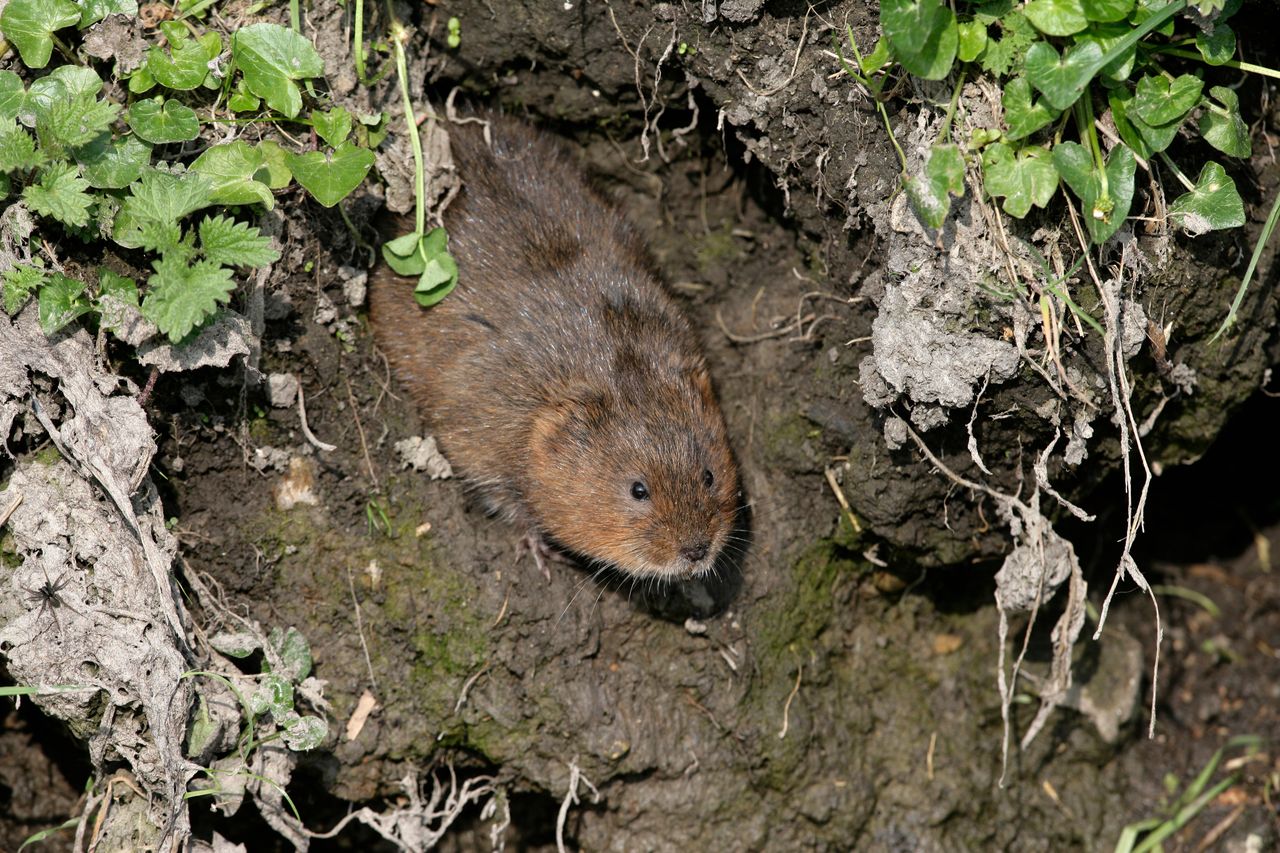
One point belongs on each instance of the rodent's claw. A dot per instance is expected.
(535, 544)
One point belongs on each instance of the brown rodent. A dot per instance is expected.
(560, 378)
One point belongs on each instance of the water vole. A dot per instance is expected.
(560, 378)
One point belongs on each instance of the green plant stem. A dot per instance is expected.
(1230, 63)
(951, 108)
(1263, 239)
(1177, 173)
(1084, 118)
(359, 43)
(874, 90)
(398, 36)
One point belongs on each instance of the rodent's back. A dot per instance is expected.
(559, 368)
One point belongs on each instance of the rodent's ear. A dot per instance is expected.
(701, 380)
(565, 421)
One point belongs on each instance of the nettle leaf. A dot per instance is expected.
(113, 162)
(234, 244)
(1018, 35)
(163, 120)
(973, 40)
(233, 171)
(60, 194)
(1062, 79)
(186, 64)
(1221, 124)
(62, 300)
(20, 281)
(1057, 17)
(1217, 46)
(1020, 114)
(92, 11)
(57, 87)
(159, 199)
(74, 121)
(18, 150)
(1104, 214)
(29, 25)
(1157, 101)
(1107, 11)
(333, 127)
(182, 297)
(12, 95)
(930, 193)
(331, 177)
(272, 57)
(1023, 178)
(923, 35)
(1214, 204)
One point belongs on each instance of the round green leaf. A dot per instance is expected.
(1157, 101)
(1107, 10)
(331, 177)
(1221, 124)
(303, 733)
(237, 172)
(1218, 46)
(271, 57)
(159, 121)
(923, 35)
(1103, 214)
(1020, 114)
(29, 25)
(12, 95)
(1023, 179)
(187, 64)
(1062, 79)
(1057, 17)
(973, 40)
(1213, 204)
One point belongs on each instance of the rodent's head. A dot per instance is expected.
(640, 477)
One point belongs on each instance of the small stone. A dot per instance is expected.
(282, 389)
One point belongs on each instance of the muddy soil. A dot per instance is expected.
(838, 689)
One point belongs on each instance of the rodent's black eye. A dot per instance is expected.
(639, 491)
(707, 478)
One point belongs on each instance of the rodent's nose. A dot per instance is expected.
(695, 552)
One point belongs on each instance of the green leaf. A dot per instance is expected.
(331, 177)
(272, 57)
(275, 161)
(1218, 46)
(1057, 17)
(186, 64)
(234, 244)
(1104, 213)
(1018, 35)
(304, 733)
(973, 40)
(274, 693)
(1023, 178)
(60, 194)
(1107, 11)
(20, 281)
(117, 286)
(159, 200)
(113, 162)
(1062, 79)
(237, 173)
(242, 100)
(12, 95)
(1221, 124)
(92, 11)
(62, 300)
(74, 121)
(1159, 102)
(160, 121)
(930, 193)
(333, 127)
(18, 150)
(1107, 36)
(426, 256)
(141, 81)
(182, 297)
(29, 25)
(403, 254)
(236, 645)
(1213, 205)
(1023, 117)
(294, 652)
(923, 35)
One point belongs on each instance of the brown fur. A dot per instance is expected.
(560, 372)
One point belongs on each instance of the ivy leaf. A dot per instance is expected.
(1057, 17)
(1104, 214)
(923, 35)
(234, 244)
(1063, 78)
(62, 300)
(186, 64)
(113, 162)
(271, 58)
(20, 281)
(1106, 11)
(92, 11)
(1158, 101)
(60, 194)
(331, 177)
(1024, 178)
(163, 120)
(29, 25)
(233, 170)
(1217, 46)
(1022, 116)
(18, 150)
(930, 193)
(1221, 125)
(183, 297)
(12, 95)
(1214, 204)
(333, 127)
